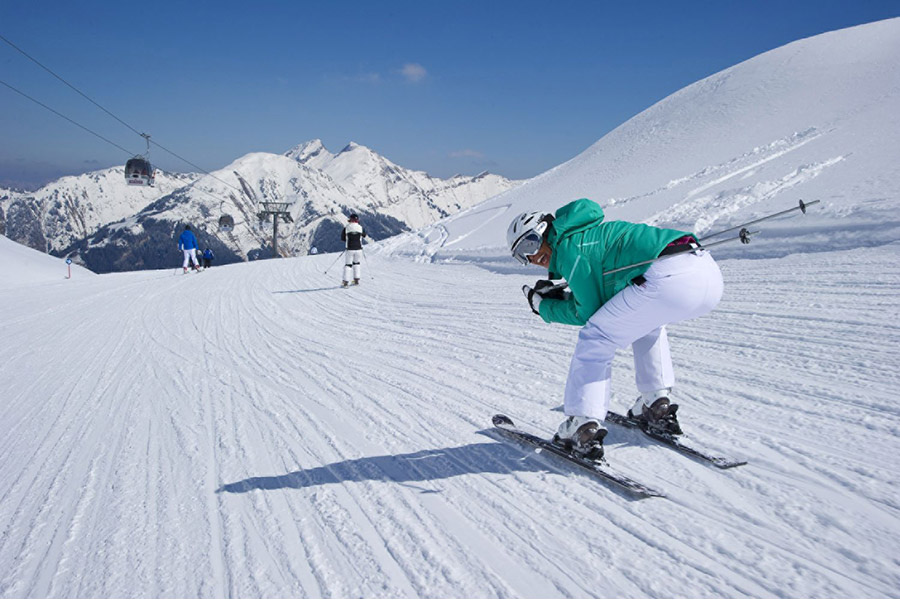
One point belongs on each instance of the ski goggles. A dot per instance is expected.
(527, 246)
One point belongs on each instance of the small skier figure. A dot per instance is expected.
(352, 236)
(187, 243)
(629, 307)
(208, 257)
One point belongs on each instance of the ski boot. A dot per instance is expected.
(344, 283)
(583, 436)
(356, 281)
(659, 417)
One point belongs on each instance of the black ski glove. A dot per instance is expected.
(534, 299)
(550, 289)
(543, 288)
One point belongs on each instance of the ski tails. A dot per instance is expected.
(675, 442)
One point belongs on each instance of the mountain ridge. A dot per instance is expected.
(107, 225)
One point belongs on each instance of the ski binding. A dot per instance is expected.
(599, 468)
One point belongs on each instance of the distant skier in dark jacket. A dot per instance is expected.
(352, 236)
(187, 243)
(208, 257)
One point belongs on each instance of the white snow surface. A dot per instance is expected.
(254, 430)
(23, 266)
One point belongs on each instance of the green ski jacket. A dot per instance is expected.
(585, 246)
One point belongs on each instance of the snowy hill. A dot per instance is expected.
(816, 119)
(254, 430)
(21, 266)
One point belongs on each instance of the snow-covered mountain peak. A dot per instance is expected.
(263, 161)
(312, 153)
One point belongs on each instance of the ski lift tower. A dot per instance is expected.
(278, 210)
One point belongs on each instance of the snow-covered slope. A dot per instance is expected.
(815, 119)
(21, 266)
(257, 431)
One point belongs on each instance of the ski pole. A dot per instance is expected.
(334, 263)
(743, 236)
(366, 260)
(802, 208)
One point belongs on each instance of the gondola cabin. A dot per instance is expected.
(139, 171)
(226, 223)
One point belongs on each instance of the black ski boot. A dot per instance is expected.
(659, 417)
(582, 436)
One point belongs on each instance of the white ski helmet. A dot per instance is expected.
(526, 234)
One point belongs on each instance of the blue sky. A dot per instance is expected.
(446, 87)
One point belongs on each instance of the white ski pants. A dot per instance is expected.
(351, 264)
(190, 254)
(677, 288)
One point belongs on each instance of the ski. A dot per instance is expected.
(675, 442)
(600, 468)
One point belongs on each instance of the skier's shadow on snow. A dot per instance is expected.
(323, 289)
(407, 469)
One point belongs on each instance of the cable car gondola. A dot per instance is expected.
(139, 171)
(226, 223)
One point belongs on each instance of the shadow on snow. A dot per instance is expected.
(322, 289)
(422, 466)
(500, 458)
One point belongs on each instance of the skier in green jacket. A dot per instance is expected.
(631, 306)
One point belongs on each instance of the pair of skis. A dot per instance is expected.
(601, 468)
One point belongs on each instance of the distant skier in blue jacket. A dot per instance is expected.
(208, 257)
(187, 243)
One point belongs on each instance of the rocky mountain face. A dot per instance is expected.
(107, 225)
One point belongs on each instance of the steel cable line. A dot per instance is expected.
(108, 141)
(56, 112)
(37, 62)
(88, 98)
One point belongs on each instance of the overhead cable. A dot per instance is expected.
(56, 112)
(83, 95)
(89, 99)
